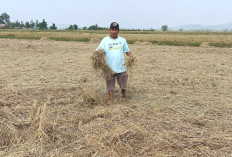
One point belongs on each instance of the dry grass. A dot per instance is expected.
(99, 63)
(52, 104)
(130, 63)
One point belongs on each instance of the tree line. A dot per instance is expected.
(5, 20)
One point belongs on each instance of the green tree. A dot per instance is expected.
(32, 24)
(17, 24)
(1, 20)
(4, 18)
(53, 27)
(27, 24)
(43, 25)
(11, 25)
(22, 24)
(164, 28)
(96, 27)
(93, 27)
(75, 27)
(84, 28)
(36, 24)
(70, 27)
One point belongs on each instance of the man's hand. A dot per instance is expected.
(131, 61)
(129, 54)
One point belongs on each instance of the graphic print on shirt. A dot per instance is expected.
(114, 46)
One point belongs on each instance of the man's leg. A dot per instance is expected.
(110, 83)
(122, 80)
(111, 95)
(123, 93)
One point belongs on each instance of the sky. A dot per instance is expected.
(142, 14)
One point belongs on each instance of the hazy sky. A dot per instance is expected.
(128, 13)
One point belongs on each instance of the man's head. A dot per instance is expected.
(114, 25)
(114, 30)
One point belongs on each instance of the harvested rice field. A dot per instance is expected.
(53, 103)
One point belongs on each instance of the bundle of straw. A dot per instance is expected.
(130, 63)
(99, 63)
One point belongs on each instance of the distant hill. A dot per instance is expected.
(222, 27)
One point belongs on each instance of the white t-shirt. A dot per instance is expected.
(115, 49)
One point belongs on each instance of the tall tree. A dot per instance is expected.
(36, 24)
(70, 27)
(164, 28)
(43, 25)
(93, 27)
(75, 27)
(11, 25)
(4, 18)
(32, 24)
(21, 24)
(1, 20)
(27, 24)
(17, 24)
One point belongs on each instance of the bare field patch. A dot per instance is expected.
(52, 103)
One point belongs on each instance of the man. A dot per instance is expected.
(115, 47)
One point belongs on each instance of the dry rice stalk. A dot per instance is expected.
(8, 131)
(38, 119)
(130, 63)
(43, 124)
(45, 38)
(125, 141)
(99, 63)
(34, 112)
(91, 98)
(42, 121)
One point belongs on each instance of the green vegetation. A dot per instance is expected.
(220, 44)
(96, 27)
(8, 36)
(70, 39)
(4, 18)
(53, 27)
(164, 28)
(175, 43)
(43, 25)
(130, 41)
(19, 37)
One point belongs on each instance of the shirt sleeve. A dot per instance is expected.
(101, 45)
(126, 47)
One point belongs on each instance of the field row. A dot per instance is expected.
(158, 38)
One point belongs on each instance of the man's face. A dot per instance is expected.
(114, 32)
